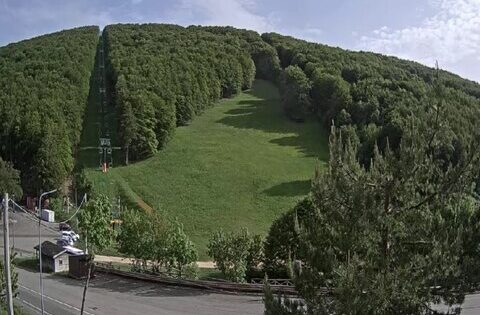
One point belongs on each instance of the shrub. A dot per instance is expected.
(282, 242)
(235, 253)
(157, 243)
(181, 251)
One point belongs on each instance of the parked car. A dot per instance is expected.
(64, 227)
(74, 236)
(65, 241)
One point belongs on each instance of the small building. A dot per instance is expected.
(54, 257)
(79, 265)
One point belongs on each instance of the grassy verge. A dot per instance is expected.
(210, 274)
(203, 273)
(240, 164)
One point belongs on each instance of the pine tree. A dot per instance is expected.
(398, 235)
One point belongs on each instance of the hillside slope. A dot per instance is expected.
(240, 164)
(370, 95)
(161, 76)
(45, 84)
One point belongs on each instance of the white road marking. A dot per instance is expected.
(55, 300)
(32, 306)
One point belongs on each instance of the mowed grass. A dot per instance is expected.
(240, 164)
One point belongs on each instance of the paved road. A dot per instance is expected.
(24, 233)
(110, 294)
(115, 295)
(471, 306)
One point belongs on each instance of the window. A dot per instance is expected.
(60, 262)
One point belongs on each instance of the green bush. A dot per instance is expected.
(235, 253)
(190, 271)
(182, 254)
(157, 243)
(282, 244)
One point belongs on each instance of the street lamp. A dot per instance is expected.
(40, 242)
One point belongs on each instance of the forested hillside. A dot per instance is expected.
(160, 76)
(163, 75)
(394, 216)
(369, 95)
(45, 83)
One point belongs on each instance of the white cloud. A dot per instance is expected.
(451, 36)
(238, 13)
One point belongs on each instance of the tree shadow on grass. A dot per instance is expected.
(308, 145)
(290, 189)
(264, 112)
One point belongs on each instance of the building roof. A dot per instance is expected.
(51, 250)
(73, 251)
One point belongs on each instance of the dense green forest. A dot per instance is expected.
(160, 76)
(45, 84)
(164, 75)
(369, 95)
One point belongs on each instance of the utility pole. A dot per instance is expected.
(40, 245)
(6, 249)
(40, 258)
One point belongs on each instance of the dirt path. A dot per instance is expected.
(127, 260)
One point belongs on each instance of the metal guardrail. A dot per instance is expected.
(219, 286)
(280, 282)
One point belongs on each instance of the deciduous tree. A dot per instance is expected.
(94, 222)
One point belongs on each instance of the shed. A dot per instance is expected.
(79, 266)
(54, 257)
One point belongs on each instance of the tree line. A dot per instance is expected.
(369, 95)
(161, 76)
(396, 236)
(45, 84)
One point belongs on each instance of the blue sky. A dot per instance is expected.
(421, 30)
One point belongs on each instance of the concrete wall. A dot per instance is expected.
(61, 263)
(56, 265)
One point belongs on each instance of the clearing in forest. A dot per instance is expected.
(239, 164)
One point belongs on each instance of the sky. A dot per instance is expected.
(420, 30)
